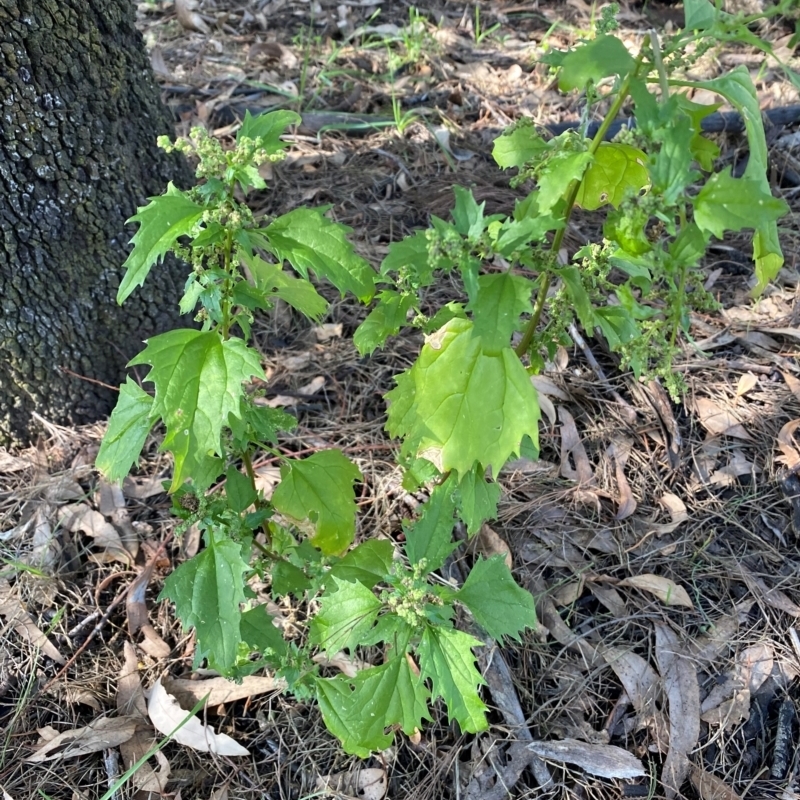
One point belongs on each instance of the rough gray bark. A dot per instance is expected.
(79, 116)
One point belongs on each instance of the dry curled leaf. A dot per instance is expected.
(709, 786)
(98, 735)
(366, 784)
(188, 17)
(489, 543)
(603, 760)
(772, 597)
(718, 421)
(572, 448)
(790, 455)
(679, 676)
(666, 590)
(166, 715)
(130, 695)
(637, 677)
(16, 615)
(747, 382)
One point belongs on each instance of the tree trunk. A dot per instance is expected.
(79, 116)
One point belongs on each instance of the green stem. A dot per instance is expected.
(659, 62)
(572, 194)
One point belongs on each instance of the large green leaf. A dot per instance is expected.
(272, 281)
(593, 61)
(477, 499)
(430, 537)
(368, 563)
(161, 222)
(496, 308)
(268, 128)
(557, 173)
(728, 203)
(410, 256)
(257, 630)
(308, 240)
(446, 658)
(500, 606)
(699, 14)
(381, 697)
(671, 168)
(128, 427)
(198, 382)
(345, 617)
(616, 171)
(320, 489)
(385, 320)
(518, 146)
(459, 405)
(207, 591)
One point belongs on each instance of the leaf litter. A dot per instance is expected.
(572, 673)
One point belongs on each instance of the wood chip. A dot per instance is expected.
(603, 760)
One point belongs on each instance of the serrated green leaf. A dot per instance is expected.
(593, 61)
(728, 203)
(626, 227)
(581, 303)
(737, 87)
(459, 405)
(268, 128)
(288, 579)
(198, 382)
(258, 630)
(518, 146)
(239, 490)
(274, 282)
(381, 697)
(258, 423)
(556, 175)
(500, 606)
(410, 255)
(617, 170)
(515, 233)
(671, 169)
(308, 240)
(468, 214)
(345, 617)
(446, 659)
(128, 426)
(477, 499)
(699, 14)
(689, 245)
(430, 537)
(383, 321)
(161, 222)
(207, 591)
(617, 324)
(320, 489)
(369, 563)
(496, 308)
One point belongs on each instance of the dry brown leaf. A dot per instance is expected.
(610, 598)
(344, 663)
(166, 715)
(9, 463)
(706, 649)
(267, 478)
(568, 593)
(366, 784)
(328, 331)
(130, 695)
(152, 643)
(666, 590)
(571, 446)
(677, 511)
(747, 382)
(545, 385)
(603, 760)
(772, 597)
(221, 690)
(308, 390)
(15, 613)
(679, 677)
(81, 517)
(618, 452)
(637, 677)
(98, 735)
(709, 786)
(562, 633)
(737, 466)
(489, 543)
(141, 488)
(730, 713)
(145, 779)
(188, 17)
(793, 383)
(756, 663)
(786, 444)
(719, 421)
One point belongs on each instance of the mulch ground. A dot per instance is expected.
(660, 539)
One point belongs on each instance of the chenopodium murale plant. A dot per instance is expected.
(467, 405)
(299, 542)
